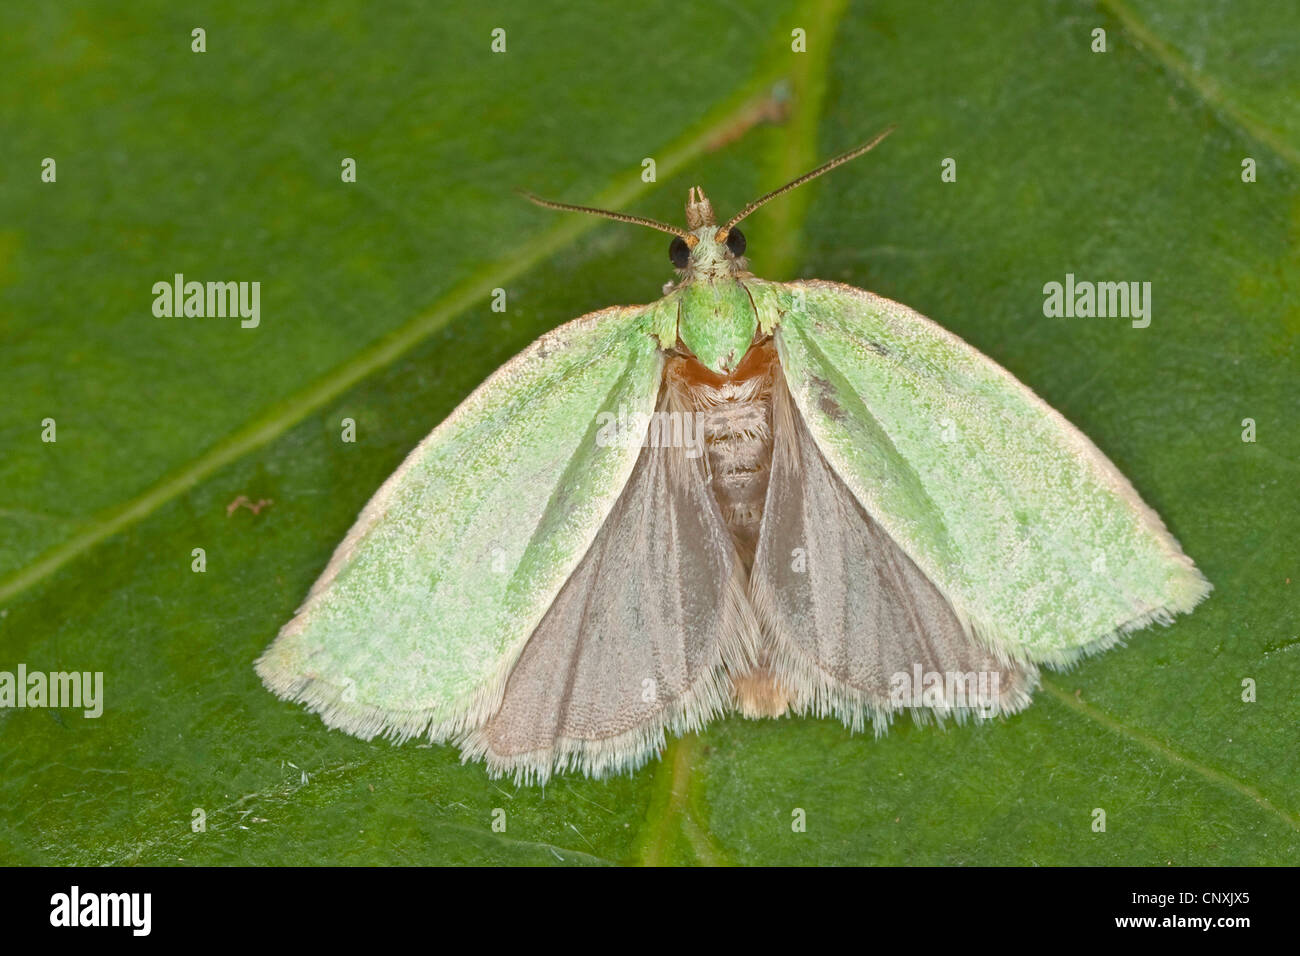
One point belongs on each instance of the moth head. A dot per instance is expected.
(703, 248)
(706, 250)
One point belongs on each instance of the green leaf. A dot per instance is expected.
(225, 165)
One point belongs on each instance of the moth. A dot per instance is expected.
(749, 496)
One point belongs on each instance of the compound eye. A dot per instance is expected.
(736, 241)
(679, 252)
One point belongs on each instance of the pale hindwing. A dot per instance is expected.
(853, 628)
(428, 601)
(639, 640)
(1038, 542)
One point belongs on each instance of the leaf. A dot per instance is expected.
(224, 165)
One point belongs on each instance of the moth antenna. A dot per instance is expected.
(621, 217)
(826, 167)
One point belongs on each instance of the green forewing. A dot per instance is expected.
(433, 593)
(1027, 528)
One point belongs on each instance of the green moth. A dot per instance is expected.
(749, 496)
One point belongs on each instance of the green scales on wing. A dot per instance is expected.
(1026, 527)
(429, 599)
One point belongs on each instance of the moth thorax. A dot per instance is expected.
(699, 211)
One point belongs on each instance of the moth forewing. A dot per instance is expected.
(417, 620)
(853, 621)
(1040, 544)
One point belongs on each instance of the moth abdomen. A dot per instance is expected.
(735, 417)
